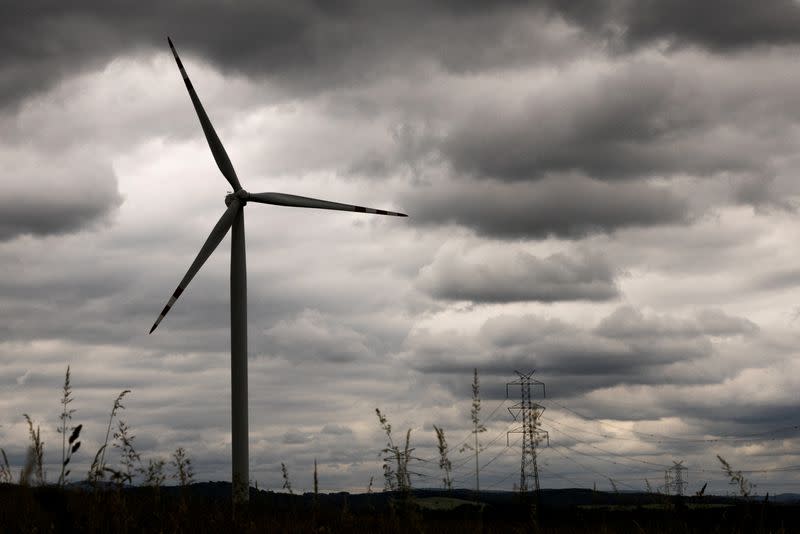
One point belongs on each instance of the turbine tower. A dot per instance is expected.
(234, 218)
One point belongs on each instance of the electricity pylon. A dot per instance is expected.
(528, 413)
(674, 478)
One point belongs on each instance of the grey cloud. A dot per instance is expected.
(42, 195)
(295, 437)
(562, 349)
(565, 206)
(738, 405)
(626, 347)
(108, 313)
(736, 417)
(336, 430)
(37, 216)
(719, 323)
(777, 280)
(509, 331)
(412, 147)
(629, 323)
(505, 276)
(116, 286)
(312, 336)
(760, 193)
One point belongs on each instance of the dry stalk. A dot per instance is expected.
(35, 459)
(444, 462)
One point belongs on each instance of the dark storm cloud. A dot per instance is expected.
(607, 127)
(566, 206)
(719, 25)
(508, 277)
(642, 118)
(307, 45)
(313, 45)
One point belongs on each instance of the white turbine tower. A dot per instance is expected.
(234, 218)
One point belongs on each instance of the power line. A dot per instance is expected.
(505, 450)
(546, 469)
(597, 457)
(569, 458)
(471, 432)
(631, 462)
(469, 435)
(629, 458)
(780, 469)
(495, 484)
(606, 436)
(501, 434)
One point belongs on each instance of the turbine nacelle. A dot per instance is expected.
(242, 195)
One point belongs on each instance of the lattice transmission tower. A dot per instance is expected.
(527, 413)
(675, 479)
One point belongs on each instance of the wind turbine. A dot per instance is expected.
(234, 218)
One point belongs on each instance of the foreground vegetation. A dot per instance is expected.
(131, 495)
(206, 508)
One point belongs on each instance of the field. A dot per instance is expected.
(206, 508)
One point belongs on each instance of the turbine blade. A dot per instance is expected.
(214, 239)
(220, 156)
(282, 199)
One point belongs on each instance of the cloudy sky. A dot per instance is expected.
(605, 193)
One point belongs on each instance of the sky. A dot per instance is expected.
(605, 193)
